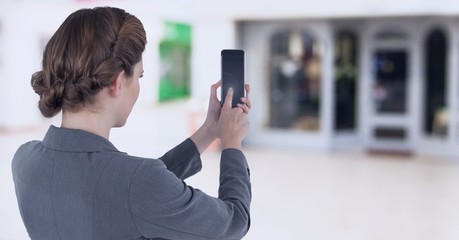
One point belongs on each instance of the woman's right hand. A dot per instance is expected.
(232, 125)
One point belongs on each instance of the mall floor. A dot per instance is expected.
(297, 194)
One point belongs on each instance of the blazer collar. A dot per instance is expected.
(75, 140)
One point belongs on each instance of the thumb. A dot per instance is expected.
(229, 98)
(213, 89)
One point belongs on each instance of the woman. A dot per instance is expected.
(76, 185)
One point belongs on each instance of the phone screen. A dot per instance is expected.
(232, 67)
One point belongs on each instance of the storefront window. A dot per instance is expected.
(346, 72)
(436, 111)
(295, 80)
(390, 88)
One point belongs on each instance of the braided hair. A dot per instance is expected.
(85, 55)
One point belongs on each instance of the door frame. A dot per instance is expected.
(410, 119)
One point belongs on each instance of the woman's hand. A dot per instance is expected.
(246, 105)
(211, 128)
(213, 111)
(233, 123)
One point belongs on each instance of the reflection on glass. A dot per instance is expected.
(389, 89)
(295, 76)
(346, 70)
(436, 114)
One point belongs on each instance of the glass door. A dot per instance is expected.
(389, 107)
(390, 80)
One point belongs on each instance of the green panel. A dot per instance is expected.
(175, 62)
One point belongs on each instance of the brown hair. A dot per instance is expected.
(85, 55)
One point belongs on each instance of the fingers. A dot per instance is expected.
(246, 101)
(213, 89)
(244, 107)
(247, 90)
(229, 98)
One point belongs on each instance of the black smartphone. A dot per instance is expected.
(233, 73)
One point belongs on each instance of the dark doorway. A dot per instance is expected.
(435, 122)
(346, 73)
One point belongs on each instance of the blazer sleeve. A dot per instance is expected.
(184, 160)
(163, 206)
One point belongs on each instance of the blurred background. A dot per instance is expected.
(355, 125)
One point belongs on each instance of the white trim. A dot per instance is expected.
(430, 144)
(454, 85)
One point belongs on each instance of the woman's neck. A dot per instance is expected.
(92, 122)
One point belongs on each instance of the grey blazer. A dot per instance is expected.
(77, 185)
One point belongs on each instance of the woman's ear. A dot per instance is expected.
(115, 87)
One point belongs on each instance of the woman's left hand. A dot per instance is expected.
(213, 112)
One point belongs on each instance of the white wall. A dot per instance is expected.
(23, 26)
(2, 44)
(25, 23)
(209, 38)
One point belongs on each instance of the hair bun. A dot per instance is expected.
(38, 83)
(51, 97)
